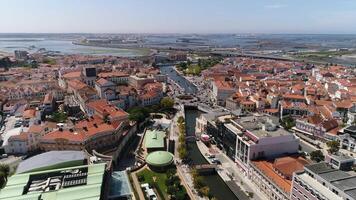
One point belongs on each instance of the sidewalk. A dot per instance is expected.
(137, 184)
(229, 169)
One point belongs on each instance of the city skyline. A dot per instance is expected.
(277, 16)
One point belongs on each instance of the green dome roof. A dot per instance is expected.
(159, 158)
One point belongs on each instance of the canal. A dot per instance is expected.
(188, 87)
(217, 186)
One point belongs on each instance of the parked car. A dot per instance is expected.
(4, 156)
(150, 194)
(210, 156)
(216, 161)
(145, 186)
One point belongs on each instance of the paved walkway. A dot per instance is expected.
(137, 184)
(229, 171)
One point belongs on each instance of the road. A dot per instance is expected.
(306, 147)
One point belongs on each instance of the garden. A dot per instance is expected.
(167, 184)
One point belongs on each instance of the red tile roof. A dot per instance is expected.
(70, 75)
(103, 107)
(285, 166)
(28, 114)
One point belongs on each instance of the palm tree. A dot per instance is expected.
(4, 173)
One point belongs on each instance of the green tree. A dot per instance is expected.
(198, 182)
(59, 117)
(171, 189)
(171, 172)
(333, 146)
(182, 66)
(167, 102)
(180, 120)
(204, 191)
(317, 156)
(288, 122)
(182, 152)
(181, 194)
(138, 114)
(4, 174)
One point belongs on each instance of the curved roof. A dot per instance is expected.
(51, 158)
(159, 158)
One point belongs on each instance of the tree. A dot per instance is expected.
(182, 66)
(59, 117)
(171, 189)
(180, 120)
(334, 146)
(171, 172)
(138, 114)
(181, 194)
(198, 182)
(205, 191)
(167, 102)
(182, 151)
(4, 173)
(288, 122)
(317, 156)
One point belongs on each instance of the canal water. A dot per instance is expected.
(188, 87)
(217, 186)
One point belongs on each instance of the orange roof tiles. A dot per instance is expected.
(102, 81)
(288, 165)
(21, 137)
(267, 169)
(65, 134)
(293, 96)
(103, 107)
(28, 114)
(76, 84)
(285, 166)
(48, 98)
(71, 75)
(35, 128)
(343, 104)
(224, 85)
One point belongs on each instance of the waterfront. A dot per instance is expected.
(218, 188)
(61, 46)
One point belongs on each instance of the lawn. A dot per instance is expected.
(158, 180)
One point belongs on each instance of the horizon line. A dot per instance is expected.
(182, 33)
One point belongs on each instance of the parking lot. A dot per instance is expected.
(12, 126)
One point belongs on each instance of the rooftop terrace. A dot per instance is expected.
(262, 126)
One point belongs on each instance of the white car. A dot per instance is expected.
(145, 186)
(150, 194)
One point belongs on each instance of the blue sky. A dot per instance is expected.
(178, 16)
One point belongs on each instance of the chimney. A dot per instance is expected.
(85, 128)
(95, 125)
(71, 130)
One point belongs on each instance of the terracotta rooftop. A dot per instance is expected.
(285, 166)
(223, 85)
(103, 107)
(70, 75)
(21, 137)
(28, 114)
(293, 96)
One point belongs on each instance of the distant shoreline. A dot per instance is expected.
(5, 54)
(144, 51)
